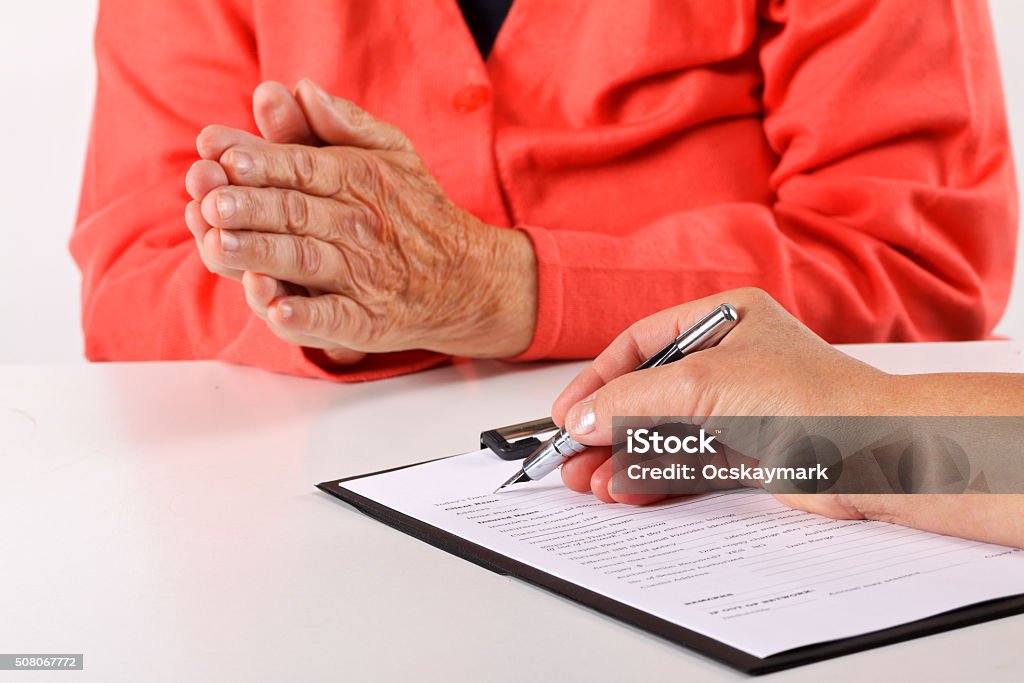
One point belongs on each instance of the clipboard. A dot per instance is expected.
(517, 441)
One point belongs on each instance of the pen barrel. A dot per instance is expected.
(708, 331)
(704, 334)
(551, 455)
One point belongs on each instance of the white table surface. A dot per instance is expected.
(161, 519)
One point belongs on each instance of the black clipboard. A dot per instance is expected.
(702, 644)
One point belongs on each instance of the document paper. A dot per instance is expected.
(738, 566)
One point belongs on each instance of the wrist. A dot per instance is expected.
(499, 290)
(515, 317)
(848, 388)
(874, 394)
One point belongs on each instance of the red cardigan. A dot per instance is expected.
(849, 157)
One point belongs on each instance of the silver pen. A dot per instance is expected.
(706, 333)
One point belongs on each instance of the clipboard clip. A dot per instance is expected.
(517, 441)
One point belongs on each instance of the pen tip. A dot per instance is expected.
(517, 478)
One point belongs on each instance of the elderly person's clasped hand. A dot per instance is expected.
(345, 242)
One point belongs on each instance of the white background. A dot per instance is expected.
(46, 88)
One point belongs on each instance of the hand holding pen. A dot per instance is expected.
(703, 334)
(769, 364)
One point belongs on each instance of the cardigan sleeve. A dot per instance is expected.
(165, 70)
(894, 214)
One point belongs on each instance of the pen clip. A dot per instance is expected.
(517, 441)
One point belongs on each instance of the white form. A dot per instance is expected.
(738, 566)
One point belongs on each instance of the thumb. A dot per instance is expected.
(331, 317)
(340, 122)
(648, 393)
(278, 115)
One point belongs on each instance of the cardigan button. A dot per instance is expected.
(470, 98)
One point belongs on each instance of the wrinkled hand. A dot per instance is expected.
(396, 265)
(280, 119)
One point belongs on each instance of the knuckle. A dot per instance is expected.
(694, 375)
(303, 163)
(363, 222)
(359, 327)
(750, 301)
(258, 248)
(360, 170)
(356, 224)
(307, 256)
(321, 318)
(253, 206)
(295, 209)
(314, 318)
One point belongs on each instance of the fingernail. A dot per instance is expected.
(226, 205)
(581, 418)
(240, 161)
(229, 241)
(285, 309)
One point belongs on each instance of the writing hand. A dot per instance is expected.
(769, 364)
